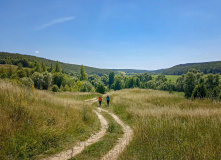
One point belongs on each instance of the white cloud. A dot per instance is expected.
(55, 21)
(36, 52)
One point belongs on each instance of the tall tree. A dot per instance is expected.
(111, 79)
(58, 67)
(44, 68)
(83, 76)
(189, 84)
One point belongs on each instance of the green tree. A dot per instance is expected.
(189, 84)
(118, 84)
(58, 78)
(86, 87)
(83, 76)
(38, 79)
(44, 68)
(66, 88)
(180, 83)
(47, 80)
(199, 91)
(111, 79)
(21, 73)
(105, 79)
(131, 82)
(58, 67)
(26, 81)
(77, 86)
(161, 78)
(101, 88)
(55, 88)
(38, 67)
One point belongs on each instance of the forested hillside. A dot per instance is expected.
(206, 68)
(71, 69)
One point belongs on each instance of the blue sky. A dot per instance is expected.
(141, 34)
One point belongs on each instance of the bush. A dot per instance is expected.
(27, 82)
(55, 88)
(199, 91)
(86, 86)
(101, 88)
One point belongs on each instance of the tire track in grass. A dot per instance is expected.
(78, 148)
(114, 153)
(122, 143)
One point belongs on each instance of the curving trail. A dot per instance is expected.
(122, 143)
(113, 153)
(81, 145)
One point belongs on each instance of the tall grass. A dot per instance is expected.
(34, 123)
(168, 126)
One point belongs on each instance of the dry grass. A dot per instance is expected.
(34, 122)
(168, 126)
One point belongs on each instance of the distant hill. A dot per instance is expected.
(205, 67)
(66, 67)
(73, 69)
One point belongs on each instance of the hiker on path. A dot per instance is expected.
(108, 100)
(100, 100)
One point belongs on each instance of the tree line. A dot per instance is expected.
(195, 84)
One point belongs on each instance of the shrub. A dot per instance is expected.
(55, 88)
(101, 88)
(199, 91)
(86, 86)
(27, 82)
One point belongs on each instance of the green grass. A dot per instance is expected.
(35, 124)
(173, 78)
(99, 149)
(81, 96)
(168, 126)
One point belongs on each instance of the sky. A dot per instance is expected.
(113, 34)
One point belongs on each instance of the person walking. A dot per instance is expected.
(108, 100)
(100, 100)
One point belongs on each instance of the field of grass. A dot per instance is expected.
(173, 78)
(168, 126)
(34, 123)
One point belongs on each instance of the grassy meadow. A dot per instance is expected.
(168, 126)
(173, 78)
(34, 123)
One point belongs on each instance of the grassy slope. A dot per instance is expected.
(36, 122)
(168, 126)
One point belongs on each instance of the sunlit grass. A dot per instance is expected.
(34, 122)
(173, 78)
(168, 126)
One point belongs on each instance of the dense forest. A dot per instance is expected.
(206, 68)
(194, 84)
(71, 69)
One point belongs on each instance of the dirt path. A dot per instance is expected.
(81, 145)
(113, 153)
(122, 143)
